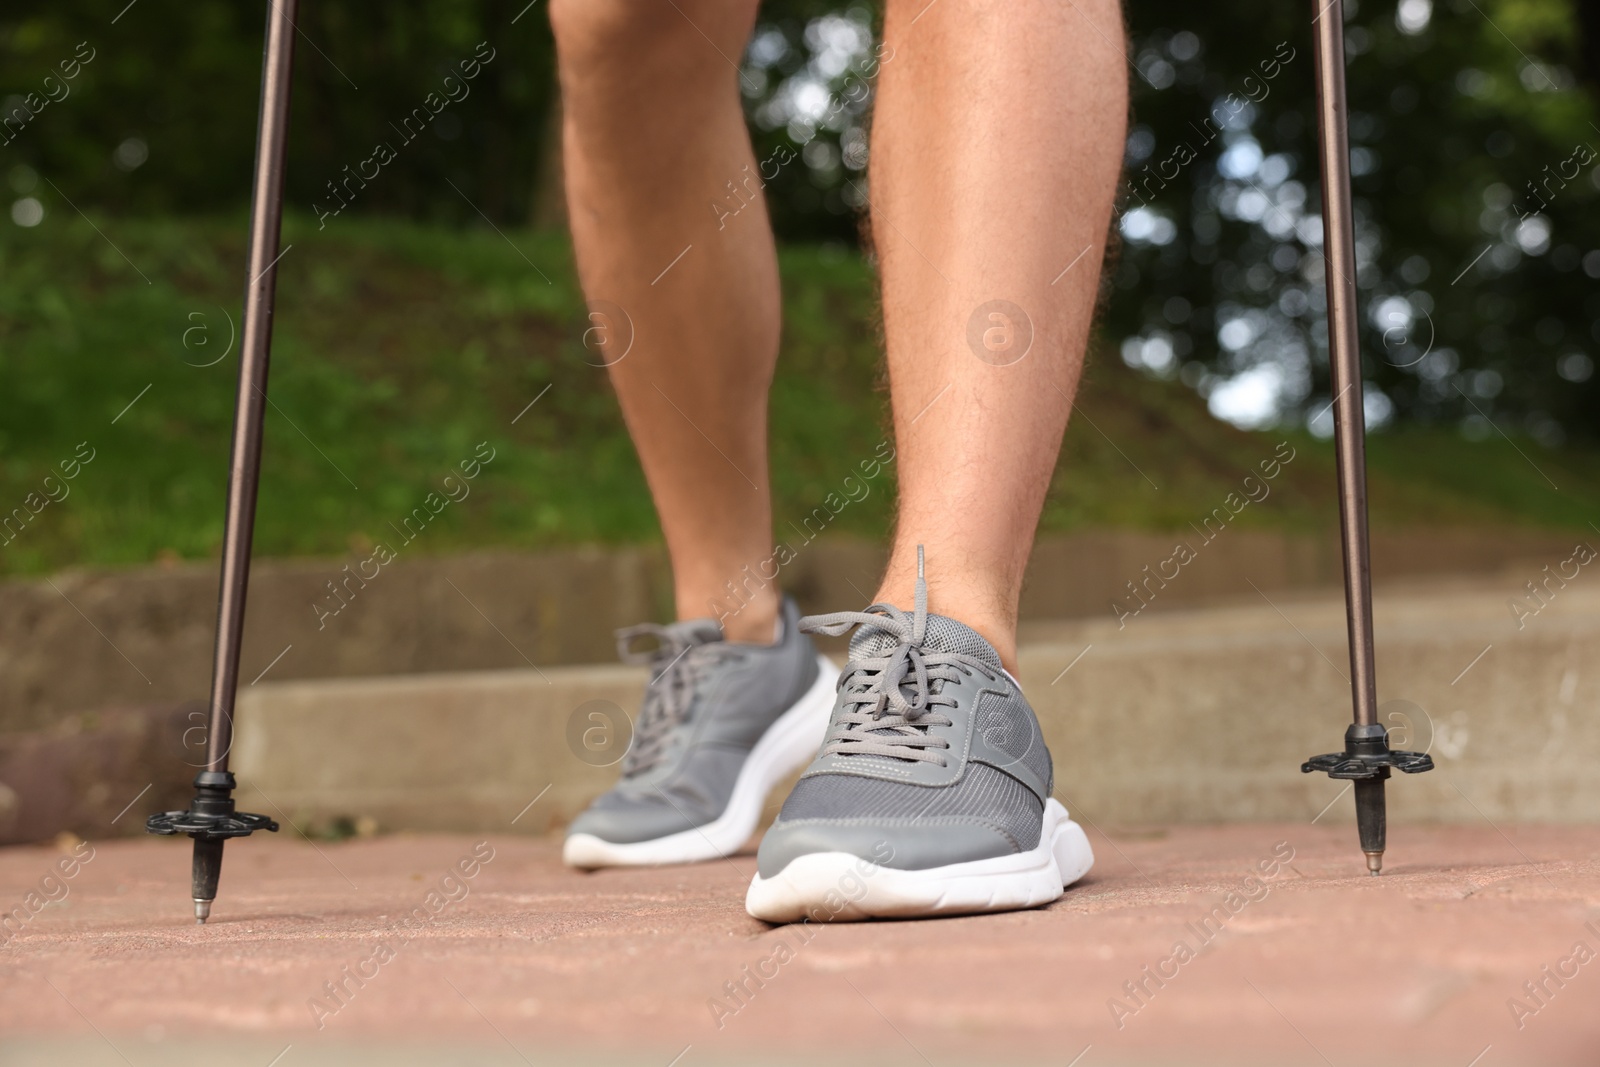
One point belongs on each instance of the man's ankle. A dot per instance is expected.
(1000, 631)
(752, 623)
(1001, 635)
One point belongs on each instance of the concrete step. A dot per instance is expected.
(1181, 716)
(83, 641)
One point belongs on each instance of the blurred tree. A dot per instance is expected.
(1477, 169)
(1476, 175)
(1476, 159)
(163, 117)
(808, 79)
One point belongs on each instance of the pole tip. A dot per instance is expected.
(202, 912)
(1374, 863)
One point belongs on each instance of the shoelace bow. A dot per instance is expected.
(892, 698)
(678, 664)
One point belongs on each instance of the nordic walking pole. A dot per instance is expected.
(1367, 758)
(211, 818)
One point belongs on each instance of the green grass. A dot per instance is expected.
(398, 348)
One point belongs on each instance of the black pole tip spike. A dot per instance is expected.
(210, 820)
(1367, 760)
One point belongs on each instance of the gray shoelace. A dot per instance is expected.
(679, 663)
(892, 698)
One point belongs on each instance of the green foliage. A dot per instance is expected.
(182, 80)
(1477, 177)
(399, 348)
(808, 81)
(1478, 252)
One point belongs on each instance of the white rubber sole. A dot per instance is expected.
(840, 887)
(789, 744)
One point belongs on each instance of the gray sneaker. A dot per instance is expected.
(721, 724)
(931, 794)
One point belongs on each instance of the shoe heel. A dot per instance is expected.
(1074, 857)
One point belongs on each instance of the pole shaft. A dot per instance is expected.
(244, 471)
(1338, 255)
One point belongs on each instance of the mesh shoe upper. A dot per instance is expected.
(932, 756)
(707, 703)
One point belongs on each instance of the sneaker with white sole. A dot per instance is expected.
(932, 792)
(722, 723)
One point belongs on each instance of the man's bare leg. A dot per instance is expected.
(654, 133)
(997, 142)
(654, 137)
(996, 147)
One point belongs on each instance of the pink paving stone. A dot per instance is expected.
(1325, 965)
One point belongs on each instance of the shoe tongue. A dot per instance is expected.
(942, 635)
